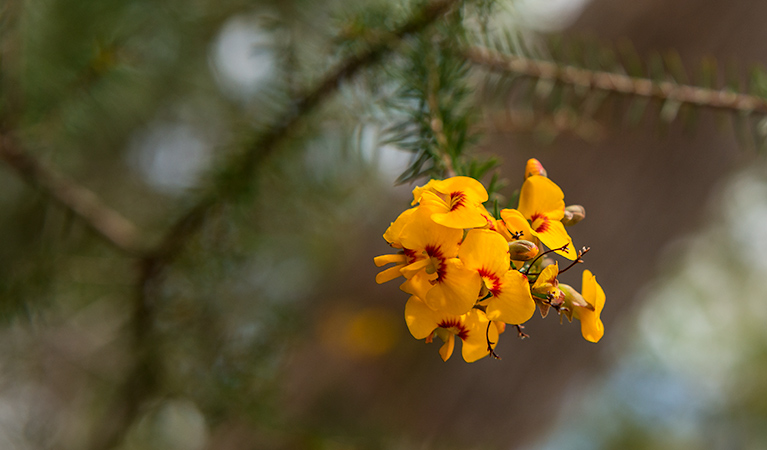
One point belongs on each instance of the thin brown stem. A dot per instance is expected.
(110, 225)
(578, 259)
(490, 349)
(542, 254)
(613, 82)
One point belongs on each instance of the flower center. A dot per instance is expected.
(436, 261)
(540, 223)
(457, 200)
(491, 280)
(455, 327)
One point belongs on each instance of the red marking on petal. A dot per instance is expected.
(495, 279)
(543, 226)
(490, 223)
(455, 327)
(457, 200)
(435, 252)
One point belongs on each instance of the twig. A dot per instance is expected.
(435, 120)
(612, 82)
(105, 221)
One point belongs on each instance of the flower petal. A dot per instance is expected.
(422, 233)
(591, 323)
(420, 319)
(419, 284)
(473, 189)
(456, 291)
(515, 222)
(556, 236)
(383, 260)
(447, 348)
(474, 345)
(388, 274)
(393, 232)
(541, 195)
(485, 251)
(513, 304)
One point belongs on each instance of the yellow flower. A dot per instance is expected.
(436, 275)
(591, 324)
(542, 203)
(400, 259)
(487, 252)
(546, 289)
(514, 226)
(455, 202)
(472, 328)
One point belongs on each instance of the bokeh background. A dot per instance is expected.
(270, 329)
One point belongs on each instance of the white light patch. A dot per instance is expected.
(550, 15)
(171, 156)
(243, 57)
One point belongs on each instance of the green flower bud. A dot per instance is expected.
(573, 215)
(572, 300)
(521, 250)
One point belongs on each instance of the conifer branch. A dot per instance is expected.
(614, 82)
(265, 144)
(110, 225)
(435, 120)
(144, 379)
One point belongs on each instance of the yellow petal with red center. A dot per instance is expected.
(542, 202)
(420, 319)
(515, 222)
(423, 234)
(393, 232)
(539, 195)
(472, 189)
(555, 236)
(512, 303)
(591, 323)
(477, 334)
(485, 251)
(455, 211)
(456, 290)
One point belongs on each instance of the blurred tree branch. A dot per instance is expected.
(616, 82)
(143, 382)
(105, 221)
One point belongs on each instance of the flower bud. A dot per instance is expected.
(573, 297)
(572, 300)
(573, 215)
(534, 167)
(521, 250)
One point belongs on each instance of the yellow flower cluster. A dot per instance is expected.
(469, 274)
